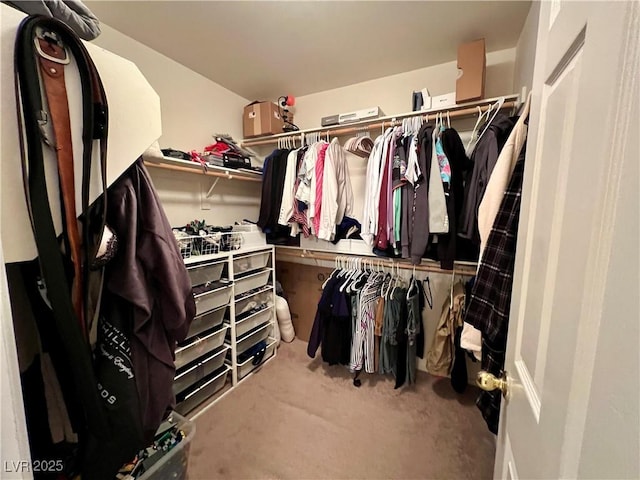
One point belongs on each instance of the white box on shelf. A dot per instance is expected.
(359, 115)
(443, 101)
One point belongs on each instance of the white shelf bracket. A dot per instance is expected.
(213, 186)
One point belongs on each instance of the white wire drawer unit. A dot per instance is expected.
(233, 334)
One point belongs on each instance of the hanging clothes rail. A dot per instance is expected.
(466, 269)
(457, 111)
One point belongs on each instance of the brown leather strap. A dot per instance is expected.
(54, 85)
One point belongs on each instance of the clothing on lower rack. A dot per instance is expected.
(362, 348)
(370, 322)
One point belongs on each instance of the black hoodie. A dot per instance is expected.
(484, 158)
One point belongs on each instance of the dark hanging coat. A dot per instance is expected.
(484, 158)
(149, 274)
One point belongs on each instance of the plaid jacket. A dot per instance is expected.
(488, 309)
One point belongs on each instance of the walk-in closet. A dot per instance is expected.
(319, 240)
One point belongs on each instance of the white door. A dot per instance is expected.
(574, 336)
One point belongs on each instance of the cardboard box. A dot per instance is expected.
(261, 118)
(303, 286)
(472, 60)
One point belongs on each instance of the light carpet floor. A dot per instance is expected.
(298, 418)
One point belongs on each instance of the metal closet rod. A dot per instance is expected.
(430, 265)
(347, 130)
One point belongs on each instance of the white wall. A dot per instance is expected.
(526, 51)
(393, 93)
(193, 109)
(183, 197)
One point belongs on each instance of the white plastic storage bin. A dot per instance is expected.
(201, 273)
(205, 388)
(252, 321)
(247, 366)
(263, 296)
(207, 321)
(198, 370)
(212, 299)
(252, 281)
(199, 346)
(250, 262)
(250, 339)
(252, 236)
(174, 464)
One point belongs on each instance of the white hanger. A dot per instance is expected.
(349, 276)
(481, 115)
(412, 283)
(498, 104)
(359, 274)
(335, 269)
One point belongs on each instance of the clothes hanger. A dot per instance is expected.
(498, 104)
(481, 115)
(350, 282)
(395, 279)
(335, 269)
(428, 295)
(361, 275)
(350, 276)
(412, 283)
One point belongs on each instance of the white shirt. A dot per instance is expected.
(306, 174)
(371, 181)
(413, 168)
(286, 208)
(337, 193)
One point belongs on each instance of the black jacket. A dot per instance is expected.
(454, 150)
(484, 158)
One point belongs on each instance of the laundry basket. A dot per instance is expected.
(173, 464)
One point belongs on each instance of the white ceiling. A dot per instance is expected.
(262, 50)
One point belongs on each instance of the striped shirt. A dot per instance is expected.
(322, 153)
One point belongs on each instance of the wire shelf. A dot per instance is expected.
(196, 245)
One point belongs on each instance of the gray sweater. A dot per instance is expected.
(420, 231)
(71, 12)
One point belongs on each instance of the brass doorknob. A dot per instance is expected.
(489, 382)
